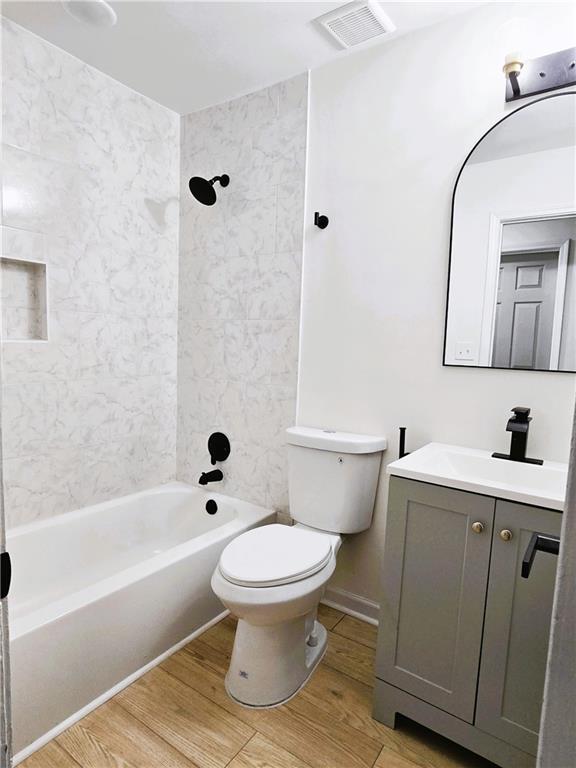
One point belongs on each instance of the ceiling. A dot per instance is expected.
(190, 55)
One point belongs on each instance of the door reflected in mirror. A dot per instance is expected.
(534, 319)
(512, 282)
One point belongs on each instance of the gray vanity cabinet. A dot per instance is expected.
(435, 572)
(517, 627)
(463, 638)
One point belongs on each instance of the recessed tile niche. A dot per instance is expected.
(24, 316)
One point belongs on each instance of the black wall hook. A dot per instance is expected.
(218, 447)
(321, 221)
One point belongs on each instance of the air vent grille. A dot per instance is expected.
(357, 23)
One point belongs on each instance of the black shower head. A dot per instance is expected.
(203, 190)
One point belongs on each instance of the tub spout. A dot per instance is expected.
(211, 477)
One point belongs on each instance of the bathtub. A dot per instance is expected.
(101, 595)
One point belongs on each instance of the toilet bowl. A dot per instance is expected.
(272, 578)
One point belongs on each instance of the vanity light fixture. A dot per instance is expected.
(203, 189)
(513, 64)
(546, 73)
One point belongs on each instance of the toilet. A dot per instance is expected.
(273, 577)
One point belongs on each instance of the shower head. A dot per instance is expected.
(203, 189)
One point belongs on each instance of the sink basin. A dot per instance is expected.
(469, 469)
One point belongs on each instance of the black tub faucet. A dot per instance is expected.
(211, 477)
(518, 425)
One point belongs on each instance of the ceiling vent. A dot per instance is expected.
(357, 23)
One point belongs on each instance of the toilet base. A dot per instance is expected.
(270, 664)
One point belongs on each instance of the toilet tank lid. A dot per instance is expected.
(331, 440)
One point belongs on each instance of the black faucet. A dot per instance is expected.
(211, 477)
(518, 425)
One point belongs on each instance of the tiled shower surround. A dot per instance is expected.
(239, 286)
(91, 186)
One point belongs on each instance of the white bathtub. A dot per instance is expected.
(102, 594)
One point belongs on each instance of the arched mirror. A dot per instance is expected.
(512, 281)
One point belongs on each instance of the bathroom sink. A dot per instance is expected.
(469, 469)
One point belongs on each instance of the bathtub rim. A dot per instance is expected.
(247, 516)
(78, 514)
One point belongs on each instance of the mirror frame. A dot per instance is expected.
(451, 244)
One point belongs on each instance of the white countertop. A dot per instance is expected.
(470, 469)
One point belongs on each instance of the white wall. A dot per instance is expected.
(90, 188)
(389, 130)
(240, 277)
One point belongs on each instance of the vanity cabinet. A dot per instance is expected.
(463, 637)
(516, 628)
(432, 609)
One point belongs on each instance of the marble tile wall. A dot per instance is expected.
(239, 288)
(90, 187)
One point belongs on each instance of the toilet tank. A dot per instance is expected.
(332, 478)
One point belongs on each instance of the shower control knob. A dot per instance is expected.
(477, 527)
(505, 535)
(218, 447)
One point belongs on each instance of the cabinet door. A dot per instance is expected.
(517, 627)
(434, 591)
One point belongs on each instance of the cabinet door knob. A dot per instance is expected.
(477, 527)
(505, 535)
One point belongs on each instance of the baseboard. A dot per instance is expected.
(58, 729)
(354, 605)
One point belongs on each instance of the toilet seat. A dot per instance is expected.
(273, 555)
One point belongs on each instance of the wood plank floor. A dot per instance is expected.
(179, 716)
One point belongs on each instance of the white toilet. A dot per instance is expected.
(272, 578)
